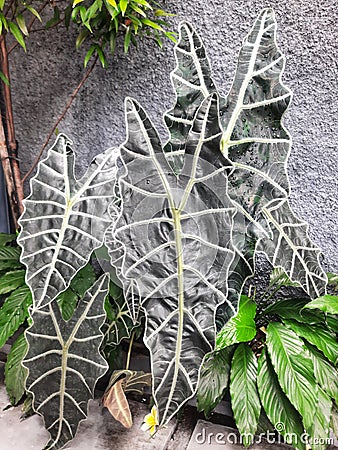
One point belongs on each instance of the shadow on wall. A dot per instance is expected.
(4, 215)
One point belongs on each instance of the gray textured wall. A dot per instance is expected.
(43, 79)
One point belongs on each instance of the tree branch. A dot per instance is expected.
(50, 134)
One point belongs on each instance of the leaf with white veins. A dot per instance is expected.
(64, 362)
(64, 219)
(176, 237)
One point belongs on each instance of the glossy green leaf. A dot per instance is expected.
(14, 312)
(15, 373)
(12, 280)
(326, 303)
(326, 374)
(319, 336)
(112, 3)
(89, 54)
(320, 429)
(64, 362)
(83, 280)
(245, 401)
(64, 219)
(152, 24)
(214, 380)
(10, 258)
(2, 75)
(14, 29)
(175, 233)
(277, 406)
(127, 39)
(241, 327)
(294, 368)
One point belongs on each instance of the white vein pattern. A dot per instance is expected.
(64, 362)
(64, 219)
(256, 142)
(174, 236)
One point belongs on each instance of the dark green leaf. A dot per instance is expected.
(243, 390)
(214, 380)
(83, 280)
(326, 303)
(12, 280)
(9, 258)
(277, 406)
(82, 37)
(332, 322)
(127, 38)
(319, 336)
(67, 301)
(292, 308)
(17, 34)
(294, 368)
(6, 238)
(89, 55)
(15, 373)
(14, 312)
(326, 374)
(240, 328)
(278, 279)
(101, 56)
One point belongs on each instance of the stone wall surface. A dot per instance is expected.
(43, 79)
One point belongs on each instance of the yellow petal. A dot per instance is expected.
(145, 427)
(152, 430)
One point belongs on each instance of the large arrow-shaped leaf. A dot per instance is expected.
(64, 219)
(176, 234)
(255, 140)
(64, 362)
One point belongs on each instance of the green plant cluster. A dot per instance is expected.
(279, 360)
(98, 22)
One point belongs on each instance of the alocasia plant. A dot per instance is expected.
(64, 219)
(185, 222)
(256, 142)
(176, 232)
(64, 383)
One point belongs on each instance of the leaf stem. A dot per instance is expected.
(132, 337)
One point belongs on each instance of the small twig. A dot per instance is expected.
(50, 134)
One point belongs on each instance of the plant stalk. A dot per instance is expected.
(132, 337)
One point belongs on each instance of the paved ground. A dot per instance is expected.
(101, 432)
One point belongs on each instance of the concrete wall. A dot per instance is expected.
(43, 79)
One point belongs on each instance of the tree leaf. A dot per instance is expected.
(294, 368)
(127, 38)
(64, 219)
(326, 303)
(117, 404)
(245, 402)
(241, 327)
(152, 24)
(123, 4)
(14, 29)
(214, 380)
(22, 24)
(277, 406)
(14, 312)
(326, 374)
(15, 373)
(64, 362)
(9, 258)
(34, 12)
(175, 232)
(12, 280)
(317, 335)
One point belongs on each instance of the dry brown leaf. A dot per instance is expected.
(117, 404)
